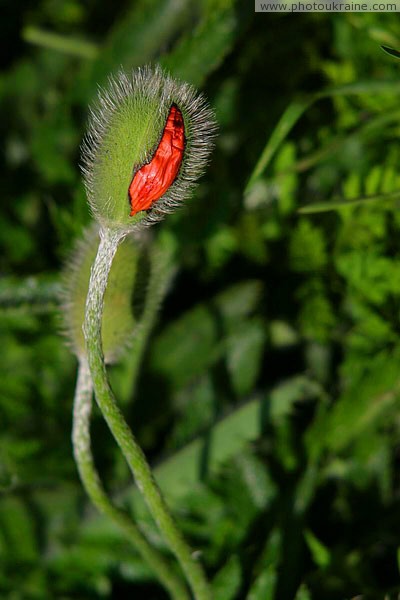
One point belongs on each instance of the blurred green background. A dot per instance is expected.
(269, 392)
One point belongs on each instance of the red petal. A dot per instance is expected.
(154, 178)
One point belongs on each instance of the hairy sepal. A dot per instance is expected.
(125, 128)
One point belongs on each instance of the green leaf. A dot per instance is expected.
(226, 583)
(186, 347)
(283, 397)
(239, 301)
(298, 107)
(264, 586)
(244, 354)
(342, 204)
(391, 51)
(303, 593)
(59, 43)
(17, 530)
(252, 475)
(289, 118)
(307, 248)
(372, 395)
(201, 51)
(137, 38)
(365, 133)
(374, 277)
(179, 473)
(319, 551)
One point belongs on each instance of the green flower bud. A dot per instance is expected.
(148, 141)
(118, 320)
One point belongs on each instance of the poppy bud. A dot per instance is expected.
(148, 141)
(118, 321)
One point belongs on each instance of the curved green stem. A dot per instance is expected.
(109, 240)
(94, 488)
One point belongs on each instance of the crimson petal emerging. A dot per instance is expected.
(155, 177)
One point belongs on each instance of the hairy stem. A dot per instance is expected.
(94, 488)
(141, 471)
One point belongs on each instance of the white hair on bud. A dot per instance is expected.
(200, 131)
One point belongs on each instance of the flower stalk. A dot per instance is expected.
(95, 490)
(109, 241)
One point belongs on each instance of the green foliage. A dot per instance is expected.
(268, 396)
